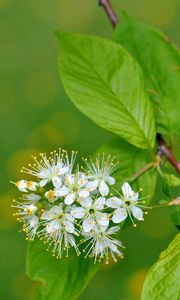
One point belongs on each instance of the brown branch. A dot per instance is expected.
(164, 150)
(109, 11)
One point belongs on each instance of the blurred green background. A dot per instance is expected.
(36, 115)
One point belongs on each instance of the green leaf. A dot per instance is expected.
(106, 84)
(160, 62)
(163, 279)
(172, 180)
(175, 215)
(59, 279)
(131, 160)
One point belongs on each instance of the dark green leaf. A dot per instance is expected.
(131, 160)
(175, 215)
(59, 279)
(160, 62)
(106, 84)
(163, 279)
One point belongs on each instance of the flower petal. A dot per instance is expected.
(113, 230)
(69, 226)
(43, 182)
(86, 202)
(84, 194)
(103, 188)
(99, 203)
(77, 212)
(114, 202)
(119, 215)
(33, 197)
(63, 191)
(92, 185)
(69, 199)
(137, 213)
(102, 218)
(56, 181)
(127, 190)
(88, 224)
(111, 180)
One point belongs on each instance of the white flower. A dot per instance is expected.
(126, 205)
(27, 214)
(21, 185)
(58, 230)
(91, 213)
(49, 168)
(51, 195)
(32, 197)
(101, 245)
(99, 174)
(74, 188)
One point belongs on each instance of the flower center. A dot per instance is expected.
(91, 211)
(127, 202)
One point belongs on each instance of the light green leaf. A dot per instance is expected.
(160, 62)
(131, 160)
(59, 279)
(172, 180)
(163, 279)
(106, 84)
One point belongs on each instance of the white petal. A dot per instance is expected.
(135, 197)
(69, 199)
(113, 230)
(33, 197)
(63, 170)
(69, 180)
(99, 203)
(69, 226)
(56, 210)
(77, 212)
(22, 185)
(119, 215)
(92, 185)
(84, 194)
(127, 190)
(34, 222)
(102, 218)
(32, 186)
(114, 202)
(56, 182)
(63, 191)
(137, 213)
(43, 182)
(111, 180)
(86, 202)
(103, 188)
(69, 217)
(88, 224)
(53, 226)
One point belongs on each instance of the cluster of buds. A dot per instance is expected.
(68, 206)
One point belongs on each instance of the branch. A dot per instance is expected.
(109, 11)
(164, 150)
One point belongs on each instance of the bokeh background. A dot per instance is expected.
(36, 115)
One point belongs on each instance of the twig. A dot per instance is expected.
(141, 171)
(109, 11)
(164, 150)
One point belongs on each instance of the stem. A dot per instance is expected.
(164, 150)
(141, 171)
(109, 11)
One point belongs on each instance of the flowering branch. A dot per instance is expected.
(109, 11)
(163, 149)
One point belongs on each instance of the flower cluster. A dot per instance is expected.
(67, 206)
